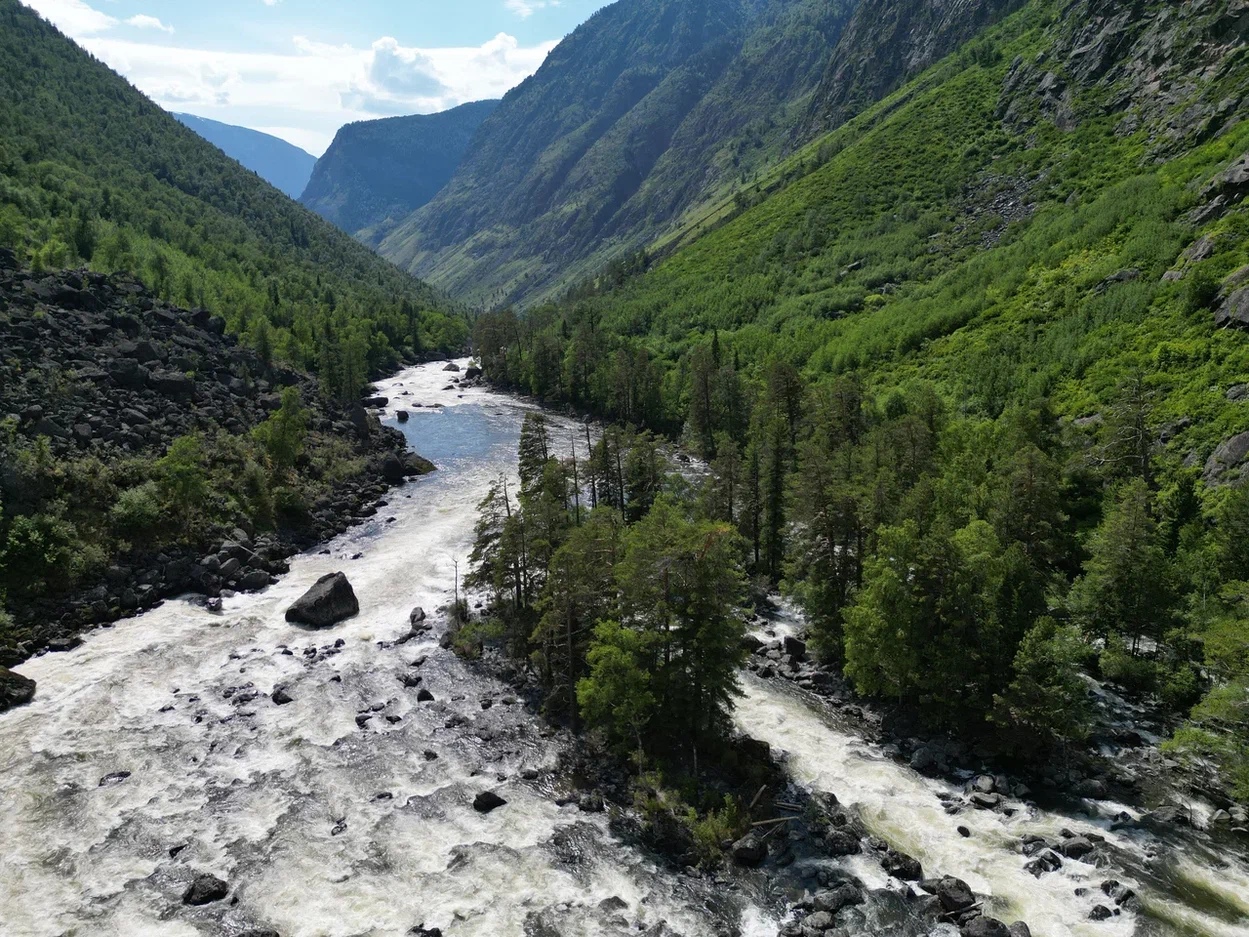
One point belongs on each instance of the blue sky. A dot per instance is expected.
(300, 69)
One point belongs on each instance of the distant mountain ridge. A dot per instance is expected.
(283, 165)
(379, 170)
(640, 113)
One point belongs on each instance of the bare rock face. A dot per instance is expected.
(15, 690)
(1226, 463)
(327, 603)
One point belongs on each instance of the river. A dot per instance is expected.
(324, 827)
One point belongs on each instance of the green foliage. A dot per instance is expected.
(137, 510)
(1047, 696)
(285, 433)
(616, 693)
(181, 476)
(93, 172)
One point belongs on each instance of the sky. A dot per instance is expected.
(300, 69)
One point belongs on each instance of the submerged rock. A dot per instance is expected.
(327, 603)
(15, 690)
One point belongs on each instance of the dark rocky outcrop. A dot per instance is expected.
(205, 890)
(329, 601)
(1226, 463)
(15, 690)
(123, 360)
(487, 801)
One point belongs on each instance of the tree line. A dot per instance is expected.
(973, 567)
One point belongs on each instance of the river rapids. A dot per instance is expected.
(153, 753)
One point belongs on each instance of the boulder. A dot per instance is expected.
(487, 801)
(15, 690)
(416, 616)
(795, 648)
(281, 697)
(1229, 455)
(902, 866)
(205, 890)
(402, 416)
(750, 851)
(393, 469)
(1100, 913)
(1020, 929)
(472, 372)
(841, 843)
(817, 923)
(1076, 848)
(955, 894)
(985, 927)
(835, 899)
(451, 366)
(328, 602)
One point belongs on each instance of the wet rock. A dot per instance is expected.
(424, 696)
(984, 926)
(835, 899)
(15, 690)
(795, 648)
(422, 931)
(839, 842)
(281, 697)
(1077, 847)
(816, 923)
(259, 933)
(205, 890)
(402, 416)
(750, 851)
(902, 867)
(963, 831)
(451, 366)
(954, 894)
(1020, 929)
(416, 616)
(1046, 862)
(1100, 913)
(111, 780)
(985, 801)
(472, 372)
(328, 602)
(487, 801)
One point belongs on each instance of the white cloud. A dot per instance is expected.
(304, 96)
(143, 21)
(73, 17)
(526, 8)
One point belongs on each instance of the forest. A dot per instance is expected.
(94, 174)
(962, 393)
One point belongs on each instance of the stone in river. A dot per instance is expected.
(205, 890)
(15, 690)
(328, 602)
(487, 801)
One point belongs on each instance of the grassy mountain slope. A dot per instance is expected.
(281, 164)
(646, 109)
(377, 172)
(1002, 225)
(92, 171)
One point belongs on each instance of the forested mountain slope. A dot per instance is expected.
(972, 374)
(91, 171)
(642, 111)
(377, 172)
(281, 164)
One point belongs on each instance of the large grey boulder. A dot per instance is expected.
(15, 690)
(327, 603)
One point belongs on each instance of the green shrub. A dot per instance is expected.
(1182, 688)
(1134, 674)
(137, 510)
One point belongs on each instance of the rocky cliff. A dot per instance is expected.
(377, 172)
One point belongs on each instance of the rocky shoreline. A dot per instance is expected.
(791, 831)
(1119, 763)
(110, 372)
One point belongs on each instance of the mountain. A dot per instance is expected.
(379, 171)
(886, 43)
(970, 375)
(93, 172)
(644, 111)
(281, 164)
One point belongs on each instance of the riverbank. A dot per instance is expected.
(111, 377)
